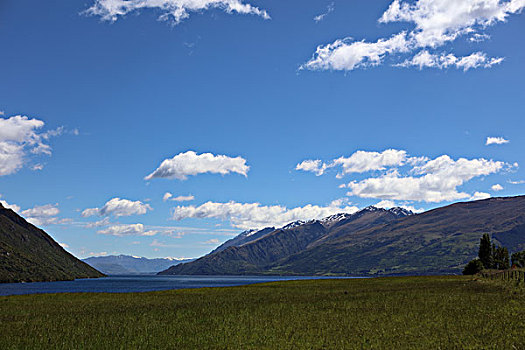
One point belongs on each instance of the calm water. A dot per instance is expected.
(126, 284)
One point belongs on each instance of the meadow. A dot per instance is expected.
(447, 312)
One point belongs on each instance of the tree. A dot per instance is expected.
(473, 267)
(518, 259)
(501, 258)
(485, 252)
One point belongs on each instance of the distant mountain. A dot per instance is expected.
(28, 254)
(131, 265)
(440, 241)
(374, 242)
(273, 245)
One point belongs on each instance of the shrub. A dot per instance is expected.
(473, 267)
(518, 259)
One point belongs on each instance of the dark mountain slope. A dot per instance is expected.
(253, 256)
(243, 238)
(27, 253)
(438, 241)
(257, 255)
(363, 219)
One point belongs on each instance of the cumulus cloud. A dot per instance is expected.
(363, 161)
(346, 54)
(44, 215)
(18, 136)
(479, 196)
(255, 215)
(169, 196)
(358, 162)
(118, 207)
(407, 178)
(127, 230)
(433, 23)
(6, 205)
(173, 11)
(424, 59)
(183, 198)
(190, 163)
(314, 166)
(496, 141)
(435, 180)
(329, 9)
(41, 211)
(497, 187)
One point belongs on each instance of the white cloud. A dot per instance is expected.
(44, 215)
(359, 162)
(407, 178)
(519, 182)
(440, 21)
(255, 215)
(127, 230)
(434, 23)
(190, 163)
(118, 207)
(496, 141)
(212, 241)
(183, 198)
(496, 187)
(18, 135)
(424, 59)
(100, 223)
(435, 180)
(6, 205)
(345, 54)
(329, 9)
(97, 254)
(387, 204)
(42, 211)
(314, 166)
(169, 196)
(479, 196)
(363, 161)
(172, 10)
(477, 38)
(63, 245)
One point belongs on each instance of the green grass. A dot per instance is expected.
(385, 313)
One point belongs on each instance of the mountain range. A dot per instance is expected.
(371, 242)
(131, 265)
(28, 254)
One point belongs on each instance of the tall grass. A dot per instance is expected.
(386, 313)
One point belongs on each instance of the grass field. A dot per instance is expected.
(387, 313)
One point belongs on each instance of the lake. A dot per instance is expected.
(140, 283)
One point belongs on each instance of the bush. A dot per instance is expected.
(518, 259)
(473, 267)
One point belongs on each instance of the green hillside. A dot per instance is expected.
(28, 254)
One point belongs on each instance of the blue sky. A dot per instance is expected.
(263, 112)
